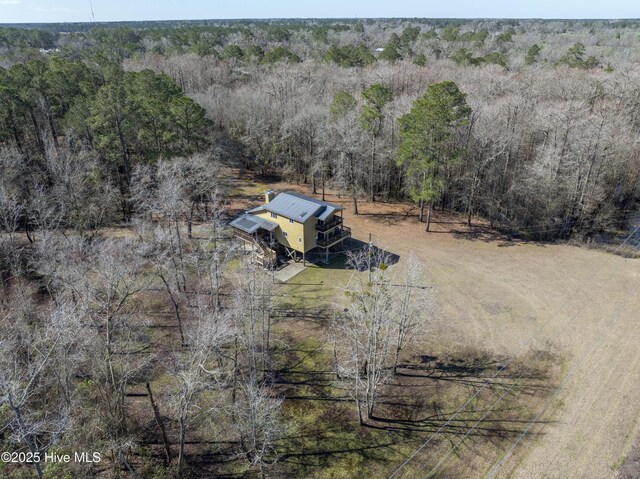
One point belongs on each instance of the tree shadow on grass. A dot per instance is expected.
(424, 395)
(493, 235)
(475, 374)
(422, 399)
(469, 425)
(335, 442)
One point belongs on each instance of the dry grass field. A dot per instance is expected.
(513, 299)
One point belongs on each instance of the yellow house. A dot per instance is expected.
(295, 224)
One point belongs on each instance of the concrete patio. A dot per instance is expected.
(289, 271)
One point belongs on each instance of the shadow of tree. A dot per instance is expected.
(493, 235)
(420, 400)
(415, 399)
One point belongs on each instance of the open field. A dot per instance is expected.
(506, 297)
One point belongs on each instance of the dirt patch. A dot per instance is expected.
(631, 467)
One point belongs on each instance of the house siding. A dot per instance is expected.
(295, 230)
(310, 234)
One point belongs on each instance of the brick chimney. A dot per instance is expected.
(268, 196)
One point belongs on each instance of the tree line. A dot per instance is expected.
(547, 125)
(547, 152)
(348, 43)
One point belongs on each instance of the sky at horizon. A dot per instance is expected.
(39, 11)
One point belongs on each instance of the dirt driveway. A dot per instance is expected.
(499, 294)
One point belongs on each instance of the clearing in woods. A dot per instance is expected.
(495, 294)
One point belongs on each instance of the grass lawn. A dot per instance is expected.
(324, 438)
(318, 287)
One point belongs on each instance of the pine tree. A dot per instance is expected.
(425, 140)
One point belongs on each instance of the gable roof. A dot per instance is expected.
(298, 207)
(250, 224)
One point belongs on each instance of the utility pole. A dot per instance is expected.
(93, 17)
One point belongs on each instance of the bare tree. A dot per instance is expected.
(174, 193)
(252, 314)
(29, 366)
(258, 423)
(112, 278)
(345, 142)
(303, 131)
(414, 306)
(198, 369)
(80, 196)
(12, 212)
(367, 330)
(212, 255)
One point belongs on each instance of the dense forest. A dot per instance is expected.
(113, 139)
(549, 142)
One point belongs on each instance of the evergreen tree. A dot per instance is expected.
(343, 102)
(425, 148)
(532, 54)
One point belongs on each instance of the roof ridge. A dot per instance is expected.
(308, 198)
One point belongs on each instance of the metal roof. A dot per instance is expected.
(257, 209)
(250, 224)
(298, 207)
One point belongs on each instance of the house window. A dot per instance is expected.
(299, 239)
(284, 233)
(291, 221)
(273, 215)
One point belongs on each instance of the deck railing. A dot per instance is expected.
(343, 232)
(243, 235)
(260, 243)
(327, 226)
